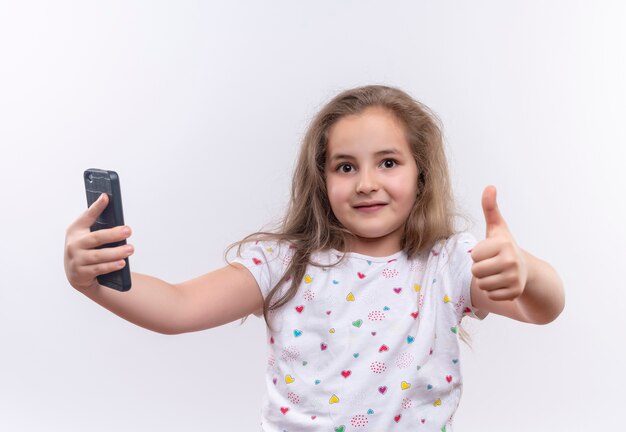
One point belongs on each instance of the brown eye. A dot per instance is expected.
(345, 168)
(389, 163)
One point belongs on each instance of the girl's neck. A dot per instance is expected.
(374, 247)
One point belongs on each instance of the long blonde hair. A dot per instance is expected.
(310, 225)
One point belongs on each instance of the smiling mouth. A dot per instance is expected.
(370, 208)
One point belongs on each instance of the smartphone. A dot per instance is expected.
(97, 182)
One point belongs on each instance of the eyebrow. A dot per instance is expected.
(386, 152)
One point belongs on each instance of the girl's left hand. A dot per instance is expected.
(499, 265)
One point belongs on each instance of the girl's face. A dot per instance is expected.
(371, 179)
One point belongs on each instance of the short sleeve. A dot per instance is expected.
(458, 271)
(267, 261)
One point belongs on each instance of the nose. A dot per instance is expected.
(367, 181)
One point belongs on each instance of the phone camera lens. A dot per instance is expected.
(90, 177)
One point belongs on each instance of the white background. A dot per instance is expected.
(200, 107)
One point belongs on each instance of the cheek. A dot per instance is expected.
(336, 193)
(406, 195)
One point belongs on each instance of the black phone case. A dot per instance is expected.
(99, 181)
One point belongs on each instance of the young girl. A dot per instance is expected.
(364, 285)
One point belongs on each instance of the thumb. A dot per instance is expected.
(493, 218)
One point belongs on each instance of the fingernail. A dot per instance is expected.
(125, 231)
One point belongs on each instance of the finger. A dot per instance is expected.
(503, 294)
(493, 282)
(487, 267)
(485, 249)
(89, 216)
(104, 236)
(104, 255)
(493, 217)
(103, 268)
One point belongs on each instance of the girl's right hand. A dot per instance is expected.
(83, 262)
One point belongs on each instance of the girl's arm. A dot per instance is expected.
(208, 301)
(508, 280)
(213, 299)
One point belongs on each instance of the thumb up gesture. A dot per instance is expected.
(499, 264)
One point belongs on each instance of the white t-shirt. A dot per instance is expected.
(368, 345)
